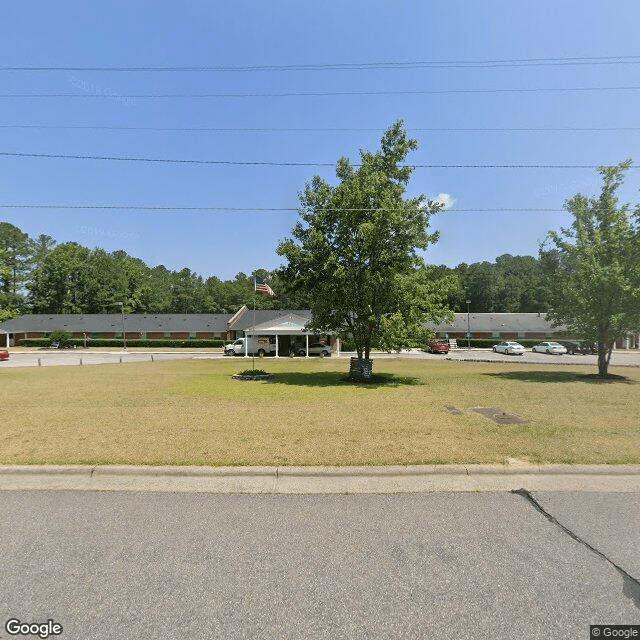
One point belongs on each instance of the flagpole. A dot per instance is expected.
(254, 322)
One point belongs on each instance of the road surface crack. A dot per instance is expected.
(631, 588)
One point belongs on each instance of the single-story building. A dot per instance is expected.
(246, 318)
(508, 326)
(291, 334)
(288, 325)
(511, 326)
(111, 325)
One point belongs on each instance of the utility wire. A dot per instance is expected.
(294, 164)
(314, 129)
(350, 66)
(316, 94)
(249, 209)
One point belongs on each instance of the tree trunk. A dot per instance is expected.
(603, 361)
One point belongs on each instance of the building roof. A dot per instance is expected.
(244, 320)
(498, 322)
(289, 324)
(112, 322)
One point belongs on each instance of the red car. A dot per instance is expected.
(4, 355)
(438, 346)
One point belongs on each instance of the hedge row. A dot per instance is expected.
(112, 342)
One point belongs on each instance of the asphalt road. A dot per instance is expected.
(74, 357)
(440, 565)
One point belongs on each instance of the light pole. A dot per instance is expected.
(124, 335)
(468, 328)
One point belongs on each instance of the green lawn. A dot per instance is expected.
(192, 412)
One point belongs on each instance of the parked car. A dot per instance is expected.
(510, 348)
(438, 346)
(553, 348)
(315, 349)
(578, 346)
(4, 355)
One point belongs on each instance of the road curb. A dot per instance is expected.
(321, 480)
(320, 471)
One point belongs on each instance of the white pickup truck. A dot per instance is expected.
(259, 346)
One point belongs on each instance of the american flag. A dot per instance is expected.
(262, 286)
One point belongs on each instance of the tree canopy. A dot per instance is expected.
(16, 250)
(355, 248)
(595, 266)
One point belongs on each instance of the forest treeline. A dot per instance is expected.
(38, 275)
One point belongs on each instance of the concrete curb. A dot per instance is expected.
(320, 471)
(321, 480)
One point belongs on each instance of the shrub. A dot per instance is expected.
(113, 342)
(61, 337)
(350, 345)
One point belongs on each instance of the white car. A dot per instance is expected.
(550, 347)
(316, 349)
(510, 348)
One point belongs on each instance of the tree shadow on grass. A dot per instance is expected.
(560, 376)
(339, 379)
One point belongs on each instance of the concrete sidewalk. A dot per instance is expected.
(322, 480)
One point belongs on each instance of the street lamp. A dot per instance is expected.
(468, 328)
(124, 335)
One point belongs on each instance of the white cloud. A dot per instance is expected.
(446, 200)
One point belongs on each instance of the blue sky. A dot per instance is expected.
(284, 33)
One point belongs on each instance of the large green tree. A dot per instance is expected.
(355, 249)
(60, 284)
(595, 266)
(15, 256)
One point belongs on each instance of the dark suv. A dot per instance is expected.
(579, 346)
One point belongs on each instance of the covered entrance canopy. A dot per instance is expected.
(289, 330)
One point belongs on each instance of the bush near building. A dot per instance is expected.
(111, 342)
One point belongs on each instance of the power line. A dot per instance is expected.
(292, 164)
(248, 209)
(315, 94)
(314, 129)
(350, 66)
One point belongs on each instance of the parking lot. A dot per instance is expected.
(618, 358)
(622, 358)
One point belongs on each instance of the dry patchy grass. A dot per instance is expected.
(192, 412)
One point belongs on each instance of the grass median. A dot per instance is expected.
(191, 412)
